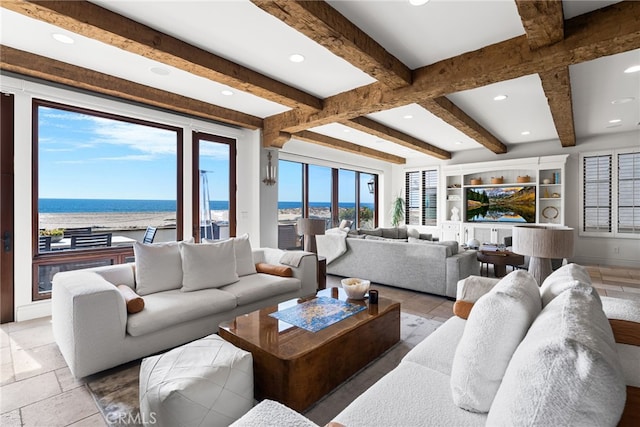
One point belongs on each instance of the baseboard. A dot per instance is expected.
(607, 262)
(33, 311)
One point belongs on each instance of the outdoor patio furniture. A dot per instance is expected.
(149, 235)
(76, 231)
(91, 241)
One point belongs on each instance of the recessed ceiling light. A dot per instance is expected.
(161, 71)
(62, 38)
(615, 120)
(296, 57)
(622, 100)
(500, 97)
(418, 2)
(346, 130)
(632, 69)
(614, 125)
(459, 142)
(525, 132)
(380, 141)
(408, 116)
(226, 92)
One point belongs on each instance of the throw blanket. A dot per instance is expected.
(293, 258)
(332, 245)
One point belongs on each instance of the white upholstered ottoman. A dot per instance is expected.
(208, 382)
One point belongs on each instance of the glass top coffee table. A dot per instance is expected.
(297, 367)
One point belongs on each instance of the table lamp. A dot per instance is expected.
(541, 244)
(310, 228)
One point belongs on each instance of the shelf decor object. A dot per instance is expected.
(497, 180)
(522, 179)
(542, 244)
(476, 181)
(550, 212)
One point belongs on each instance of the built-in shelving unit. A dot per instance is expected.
(543, 175)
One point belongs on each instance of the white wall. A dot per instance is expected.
(24, 90)
(588, 250)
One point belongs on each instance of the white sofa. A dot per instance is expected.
(566, 370)
(94, 331)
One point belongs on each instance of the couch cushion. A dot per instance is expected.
(566, 277)
(208, 265)
(437, 350)
(169, 308)
(375, 232)
(256, 287)
(496, 325)
(410, 395)
(158, 267)
(244, 257)
(566, 370)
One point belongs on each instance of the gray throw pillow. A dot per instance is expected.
(390, 233)
(425, 236)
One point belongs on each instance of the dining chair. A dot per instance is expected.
(77, 231)
(149, 235)
(44, 243)
(91, 241)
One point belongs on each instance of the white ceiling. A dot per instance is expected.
(417, 36)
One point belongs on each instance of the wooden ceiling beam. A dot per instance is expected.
(608, 31)
(557, 89)
(544, 24)
(339, 144)
(32, 65)
(449, 112)
(93, 21)
(327, 27)
(543, 21)
(372, 127)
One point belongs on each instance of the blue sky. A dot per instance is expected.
(88, 157)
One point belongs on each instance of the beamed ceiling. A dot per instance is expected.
(382, 79)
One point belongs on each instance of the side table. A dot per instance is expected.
(322, 272)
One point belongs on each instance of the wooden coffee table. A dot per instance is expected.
(500, 260)
(297, 367)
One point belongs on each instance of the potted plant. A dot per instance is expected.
(55, 233)
(397, 211)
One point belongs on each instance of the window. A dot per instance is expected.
(307, 190)
(98, 181)
(421, 188)
(215, 184)
(610, 193)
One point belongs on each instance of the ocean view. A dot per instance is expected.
(128, 205)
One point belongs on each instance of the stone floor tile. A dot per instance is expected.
(5, 355)
(11, 419)
(4, 339)
(624, 295)
(60, 410)
(33, 337)
(66, 379)
(631, 289)
(95, 420)
(27, 324)
(25, 392)
(607, 287)
(37, 360)
(6, 374)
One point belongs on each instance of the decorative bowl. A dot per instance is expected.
(497, 179)
(476, 181)
(523, 178)
(355, 288)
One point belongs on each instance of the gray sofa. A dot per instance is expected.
(433, 267)
(94, 331)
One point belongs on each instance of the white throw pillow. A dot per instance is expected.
(244, 255)
(208, 265)
(495, 327)
(158, 267)
(566, 371)
(566, 277)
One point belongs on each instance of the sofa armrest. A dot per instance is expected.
(460, 266)
(272, 413)
(469, 290)
(306, 272)
(89, 319)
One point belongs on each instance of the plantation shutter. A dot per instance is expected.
(597, 193)
(412, 199)
(629, 193)
(430, 206)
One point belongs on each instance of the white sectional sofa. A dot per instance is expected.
(94, 331)
(563, 369)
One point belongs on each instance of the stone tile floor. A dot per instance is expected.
(37, 388)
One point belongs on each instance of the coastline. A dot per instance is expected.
(140, 220)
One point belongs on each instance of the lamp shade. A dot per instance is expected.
(310, 228)
(542, 244)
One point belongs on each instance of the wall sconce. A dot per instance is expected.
(270, 178)
(372, 186)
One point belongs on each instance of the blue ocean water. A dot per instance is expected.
(128, 205)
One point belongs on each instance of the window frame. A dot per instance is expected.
(614, 195)
(116, 255)
(422, 196)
